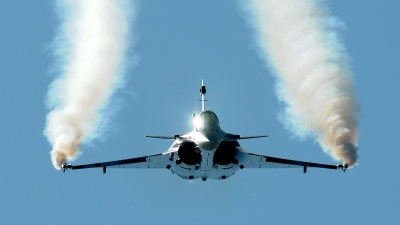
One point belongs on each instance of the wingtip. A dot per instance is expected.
(66, 167)
(343, 167)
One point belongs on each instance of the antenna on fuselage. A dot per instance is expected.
(203, 94)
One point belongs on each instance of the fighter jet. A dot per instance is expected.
(206, 152)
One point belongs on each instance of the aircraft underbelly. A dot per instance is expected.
(206, 170)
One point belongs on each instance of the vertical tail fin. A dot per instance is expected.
(203, 94)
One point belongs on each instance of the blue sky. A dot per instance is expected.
(179, 43)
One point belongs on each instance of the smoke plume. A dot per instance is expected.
(298, 42)
(90, 48)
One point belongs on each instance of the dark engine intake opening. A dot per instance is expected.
(189, 153)
(226, 153)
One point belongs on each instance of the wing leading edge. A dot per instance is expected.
(152, 161)
(250, 160)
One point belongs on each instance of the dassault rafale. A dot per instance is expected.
(205, 152)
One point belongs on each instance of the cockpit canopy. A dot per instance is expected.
(206, 119)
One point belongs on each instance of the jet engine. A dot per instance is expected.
(226, 153)
(189, 153)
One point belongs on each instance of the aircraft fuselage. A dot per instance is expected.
(205, 152)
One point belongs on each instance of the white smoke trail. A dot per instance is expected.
(298, 41)
(91, 48)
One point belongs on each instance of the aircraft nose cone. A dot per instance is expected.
(208, 140)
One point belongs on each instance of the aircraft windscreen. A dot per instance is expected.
(209, 118)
